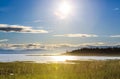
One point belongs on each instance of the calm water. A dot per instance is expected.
(45, 59)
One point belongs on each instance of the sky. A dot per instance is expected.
(42, 24)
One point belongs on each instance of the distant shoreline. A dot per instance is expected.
(66, 54)
(77, 54)
(95, 52)
(88, 52)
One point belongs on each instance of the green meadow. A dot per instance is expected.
(109, 69)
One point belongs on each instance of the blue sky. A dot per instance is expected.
(34, 21)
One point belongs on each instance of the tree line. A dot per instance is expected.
(96, 51)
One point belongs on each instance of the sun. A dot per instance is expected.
(63, 10)
(62, 58)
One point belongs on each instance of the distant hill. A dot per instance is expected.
(95, 51)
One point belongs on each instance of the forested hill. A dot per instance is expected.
(111, 51)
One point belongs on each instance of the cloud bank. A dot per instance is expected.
(34, 46)
(19, 29)
(3, 40)
(22, 47)
(77, 35)
(115, 36)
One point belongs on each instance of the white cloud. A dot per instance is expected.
(93, 44)
(77, 35)
(115, 36)
(3, 40)
(19, 29)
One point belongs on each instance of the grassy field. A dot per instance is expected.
(109, 69)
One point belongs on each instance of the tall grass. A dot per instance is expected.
(81, 70)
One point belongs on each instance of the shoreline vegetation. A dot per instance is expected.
(115, 51)
(109, 69)
(111, 51)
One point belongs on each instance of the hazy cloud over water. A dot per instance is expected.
(77, 35)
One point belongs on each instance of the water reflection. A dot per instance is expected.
(46, 59)
(62, 58)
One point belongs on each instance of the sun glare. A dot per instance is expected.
(63, 10)
(59, 58)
